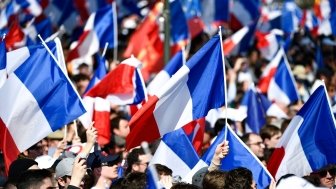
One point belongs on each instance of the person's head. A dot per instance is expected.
(63, 172)
(120, 126)
(135, 180)
(103, 165)
(18, 166)
(182, 185)
(255, 143)
(38, 178)
(326, 176)
(214, 180)
(137, 161)
(163, 170)
(270, 134)
(197, 178)
(240, 178)
(81, 82)
(84, 69)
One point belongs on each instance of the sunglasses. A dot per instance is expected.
(324, 173)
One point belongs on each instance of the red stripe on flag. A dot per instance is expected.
(73, 54)
(102, 124)
(265, 81)
(7, 145)
(143, 119)
(228, 46)
(275, 160)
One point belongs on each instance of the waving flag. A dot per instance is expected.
(32, 6)
(3, 63)
(176, 152)
(215, 13)
(240, 41)
(47, 101)
(245, 11)
(195, 132)
(239, 156)
(196, 88)
(268, 44)
(328, 26)
(309, 142)
(16, 38)
(163, 76)
(277, 80)
(101, 28)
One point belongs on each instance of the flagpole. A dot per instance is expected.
(115, 32)
(105, 49)
(225, 91)
(166, 15)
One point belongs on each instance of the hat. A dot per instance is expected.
(56, 135)
(99, 158)
(18, 166)
(64, 167)
(197, 178)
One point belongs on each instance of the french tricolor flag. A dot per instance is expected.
(309, 142)
(3, 63)
(122, 86)
(215, 13)
(164, 75)
(268, 44)
(328, 26)
(245, 11)
(239, 156)
(176, 152)
(277, 80)
(36, 99)
(195, 88)
(101, 28)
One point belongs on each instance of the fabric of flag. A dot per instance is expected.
(10, 9)
(16, 38)
(163, 76)
(3, 63)
(152, 178)
(150, 50)
(99, 73)
(37, 99)
(272, 109)
(42, 27)
(32, 6)
(101, 28)
(256, 114)
(195, 88)
(215, 13)
(245, 11)
(268, 44)
(121, 86)
(328, 26)
(195, 132)
(319, 56)
(240, 42)
(309, 142)
(277, 80)
(176, 152)
(239, 156)
(309, 21)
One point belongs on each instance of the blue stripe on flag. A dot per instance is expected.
(53, 92)
(174, 64)
(139, 88)
(206, 78)
(104, 26)
(317, 132)
(181, 146)
(3, 58)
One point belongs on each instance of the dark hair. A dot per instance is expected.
(163, 170)
(269, 131)
(132, 158)
(33, 178)
(115, 122)
(239, 178)
(182, 185)
(214, 179)
(134, 180)
(219, 125)
(246, 137)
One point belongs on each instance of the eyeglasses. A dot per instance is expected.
(256, 143)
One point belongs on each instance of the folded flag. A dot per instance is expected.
(163, 76)
(176, 152)
(239, 156)
(37, 99)
(3, 63)
(195, 88)
(309, 142)
(277, 80)
(101, 28)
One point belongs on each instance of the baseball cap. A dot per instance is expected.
(99, 158)
(18, 166)
(64, 167)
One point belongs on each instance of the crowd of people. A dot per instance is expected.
(75, 160)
